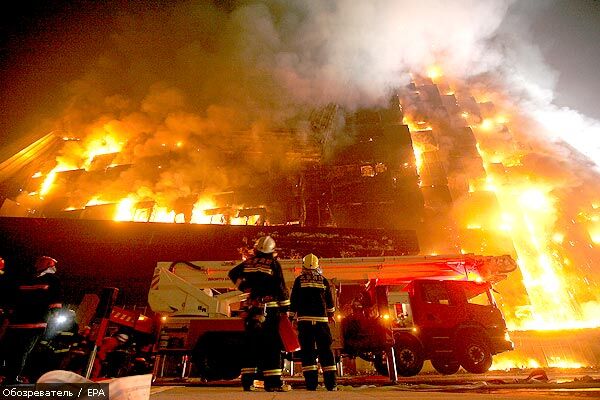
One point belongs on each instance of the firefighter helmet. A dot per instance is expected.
(1, 264)
(310, 261)
(265, 244)
(44, 262)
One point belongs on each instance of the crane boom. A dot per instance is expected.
(184, 288)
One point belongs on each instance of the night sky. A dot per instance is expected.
(47, 45)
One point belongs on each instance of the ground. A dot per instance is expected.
(562, 384)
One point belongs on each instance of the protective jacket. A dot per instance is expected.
(261, 276)
(34, 300)
(312, 298)
(312, 304)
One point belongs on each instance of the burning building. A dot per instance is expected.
(222, 116)
(434, 160)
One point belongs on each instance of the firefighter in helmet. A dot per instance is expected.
(36, 299)
(312, 306)
(262, 278)
(109, 345)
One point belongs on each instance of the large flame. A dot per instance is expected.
(532, 208)
(535, 214)
(543, 256)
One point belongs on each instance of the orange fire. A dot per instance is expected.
(530, 209)
(533, 209)
(434, 73)
(530, 214)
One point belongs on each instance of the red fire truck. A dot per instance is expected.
(394, 311)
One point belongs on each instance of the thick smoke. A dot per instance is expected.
(218, 78)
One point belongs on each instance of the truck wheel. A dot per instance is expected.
(409, 357)
(445, 367)
(475, 355)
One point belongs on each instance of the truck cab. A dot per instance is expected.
(451, 323)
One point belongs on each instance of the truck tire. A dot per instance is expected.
(409, 356)
(444, 366)
(474, 354)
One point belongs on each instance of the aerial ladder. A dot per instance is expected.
(200, 302)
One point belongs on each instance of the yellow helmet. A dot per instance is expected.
(310, 261)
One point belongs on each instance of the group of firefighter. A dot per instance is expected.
(32, 316)
(310, 306)
(37, 299)
(26, 305)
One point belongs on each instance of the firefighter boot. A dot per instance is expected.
(273, 383)
(329, 380)
(312, 380)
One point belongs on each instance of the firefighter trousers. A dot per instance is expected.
(17, 344)
(315, 340)
(262, 350)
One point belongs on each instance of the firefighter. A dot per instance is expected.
(109, 345)
(312, 306)
(4, 300)
(262, 278)
(35, 300)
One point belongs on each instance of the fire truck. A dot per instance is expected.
(394, 311)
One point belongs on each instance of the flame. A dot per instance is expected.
(487, 124)
(501, 363)
(51, 176)
(531, 212)
(95, 201)
(418, 149)
(125, 210)
(416, 126)
(434, 72)
(508, 361)
(205, 211)
(528, 212)
(199, 215)
(163, 214)
(102, 140)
